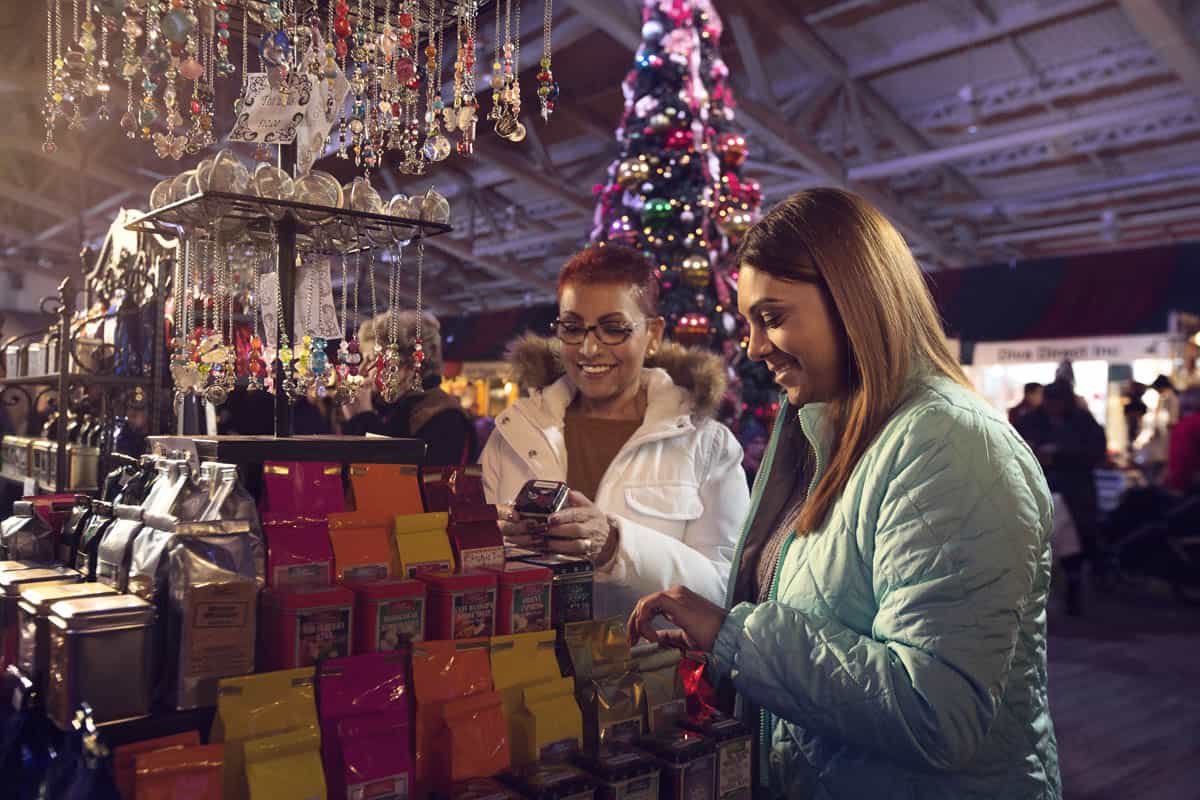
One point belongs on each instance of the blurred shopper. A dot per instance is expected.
(1070, 445)
(626, 421)
(1183, 458)
(1031, 400)
(885, 627)
(430, 414)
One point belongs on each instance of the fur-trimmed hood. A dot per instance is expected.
(537, 363)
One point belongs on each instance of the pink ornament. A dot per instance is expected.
(191, 69)
(679, 42)
(405, 69)
(679, 139)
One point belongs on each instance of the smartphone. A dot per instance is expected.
(539, 499)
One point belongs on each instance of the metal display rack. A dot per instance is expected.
(355, 230)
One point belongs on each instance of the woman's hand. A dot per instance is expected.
(528, 533)
(582, 529)
(698, 620)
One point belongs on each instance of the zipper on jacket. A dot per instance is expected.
(765, 717)
(764, 741)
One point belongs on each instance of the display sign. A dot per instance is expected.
(1119, 349)
(269, 116)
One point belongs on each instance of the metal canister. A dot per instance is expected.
(83, 466)
(43, 451)
(99, 652)
(573, 595)
(11, 584)
(33, 611)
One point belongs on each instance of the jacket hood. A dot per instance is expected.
(537, 363)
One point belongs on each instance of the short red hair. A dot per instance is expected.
(613, 264)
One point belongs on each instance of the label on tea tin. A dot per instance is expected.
(322, 633)
(221, 639)
(297, 574)
(365, 572)
(698, 782)
(664, 716)
(428, 566)
(624, 730)
(529, 606)
(474, 613)
(394, 787)
(733, 769)
(573, 600)
(643, 788)
(482, 558)
(399, 620)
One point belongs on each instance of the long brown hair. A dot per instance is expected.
(887, 319)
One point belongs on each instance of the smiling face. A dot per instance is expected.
(794, 330)
(608, 376)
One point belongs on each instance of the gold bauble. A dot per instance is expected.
(632, 171)
(696, 271)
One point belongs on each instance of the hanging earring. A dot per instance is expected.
(256, 367)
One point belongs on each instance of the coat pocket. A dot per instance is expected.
(675, 501)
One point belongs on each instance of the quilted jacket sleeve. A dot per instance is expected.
(951, 527)
(649, 561)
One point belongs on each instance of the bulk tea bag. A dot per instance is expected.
(89, 541)
(303, 487)
(386, 488)
(666, 702)
(519, 661)
(365, 735)
(286, 765)
(172, 490)
(361, 542)
(478, 742)
(203, 579)
(192, 772)
(549, 725)
(610, 695)
(441, 672)
(253, 707)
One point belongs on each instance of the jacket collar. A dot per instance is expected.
(541, 416)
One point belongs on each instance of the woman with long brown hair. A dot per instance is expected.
(885, 620)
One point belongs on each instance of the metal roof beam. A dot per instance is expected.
(1165, 29)
(942, 41)
(1041, 133)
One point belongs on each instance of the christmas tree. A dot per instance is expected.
(676, 192)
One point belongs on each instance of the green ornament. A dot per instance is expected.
(657, 212)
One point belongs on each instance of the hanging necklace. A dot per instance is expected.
(255, 366)
(508, 109)
(418, 356)
(350, 350)
(285, 355)
(393, 383)
(547, 88)
(465, 105)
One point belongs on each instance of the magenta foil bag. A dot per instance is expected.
(298, 550)
(450, 488)
(364, 710)
(308, 488)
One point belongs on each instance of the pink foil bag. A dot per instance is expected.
(298, 550)
(310, 488)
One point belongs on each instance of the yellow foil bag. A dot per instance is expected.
(286, 766)
(549, 727)
(257, 706)
(520, 660)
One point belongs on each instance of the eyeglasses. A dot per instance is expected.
(609, 333)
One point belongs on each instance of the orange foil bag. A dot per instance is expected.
(386, 488)
(442, 672)
(180, 773)
(124, 769)
(362, 545)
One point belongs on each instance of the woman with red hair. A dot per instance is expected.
(625, 420)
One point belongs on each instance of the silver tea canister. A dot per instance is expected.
(11, 584)
(99, 653)
(83, 466)
(33, 613)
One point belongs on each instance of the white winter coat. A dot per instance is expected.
(676, 489)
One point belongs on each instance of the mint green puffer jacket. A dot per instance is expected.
(903, 654)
